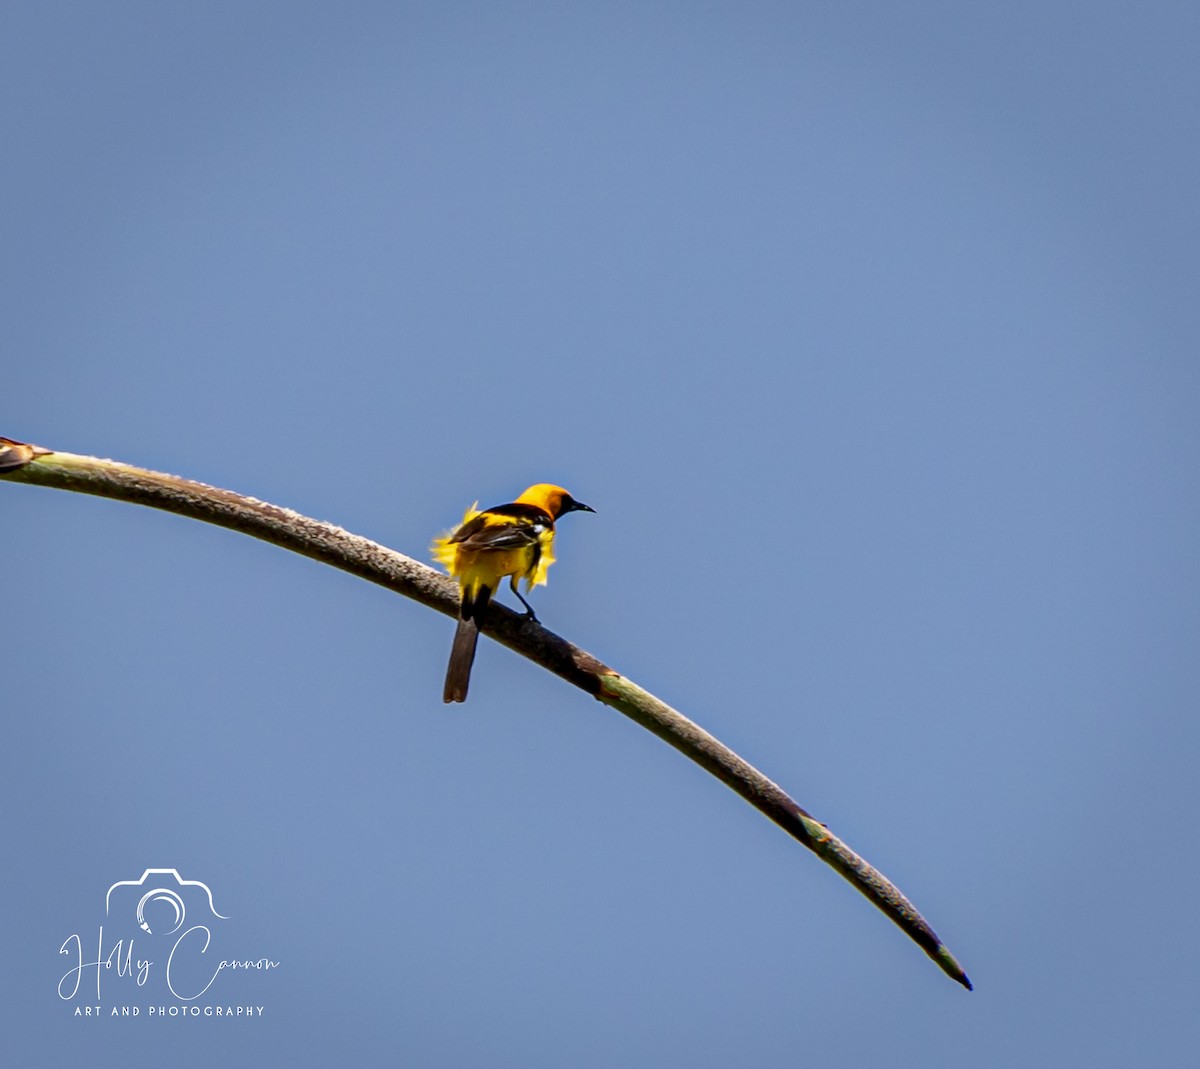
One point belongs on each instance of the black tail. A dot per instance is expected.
(462, 656)
(473, 604)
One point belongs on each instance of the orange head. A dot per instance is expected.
(553, 499)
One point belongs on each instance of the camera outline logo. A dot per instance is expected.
(157, 894)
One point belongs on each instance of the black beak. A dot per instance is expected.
(569, 504)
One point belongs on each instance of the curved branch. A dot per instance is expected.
(20, 462)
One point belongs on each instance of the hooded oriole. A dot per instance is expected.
(514, 540)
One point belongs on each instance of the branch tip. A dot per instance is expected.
(14, 455)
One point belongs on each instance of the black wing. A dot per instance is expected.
(503, 527)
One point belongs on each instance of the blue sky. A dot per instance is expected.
(870, 332)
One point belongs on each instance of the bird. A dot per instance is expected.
(514, 540)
